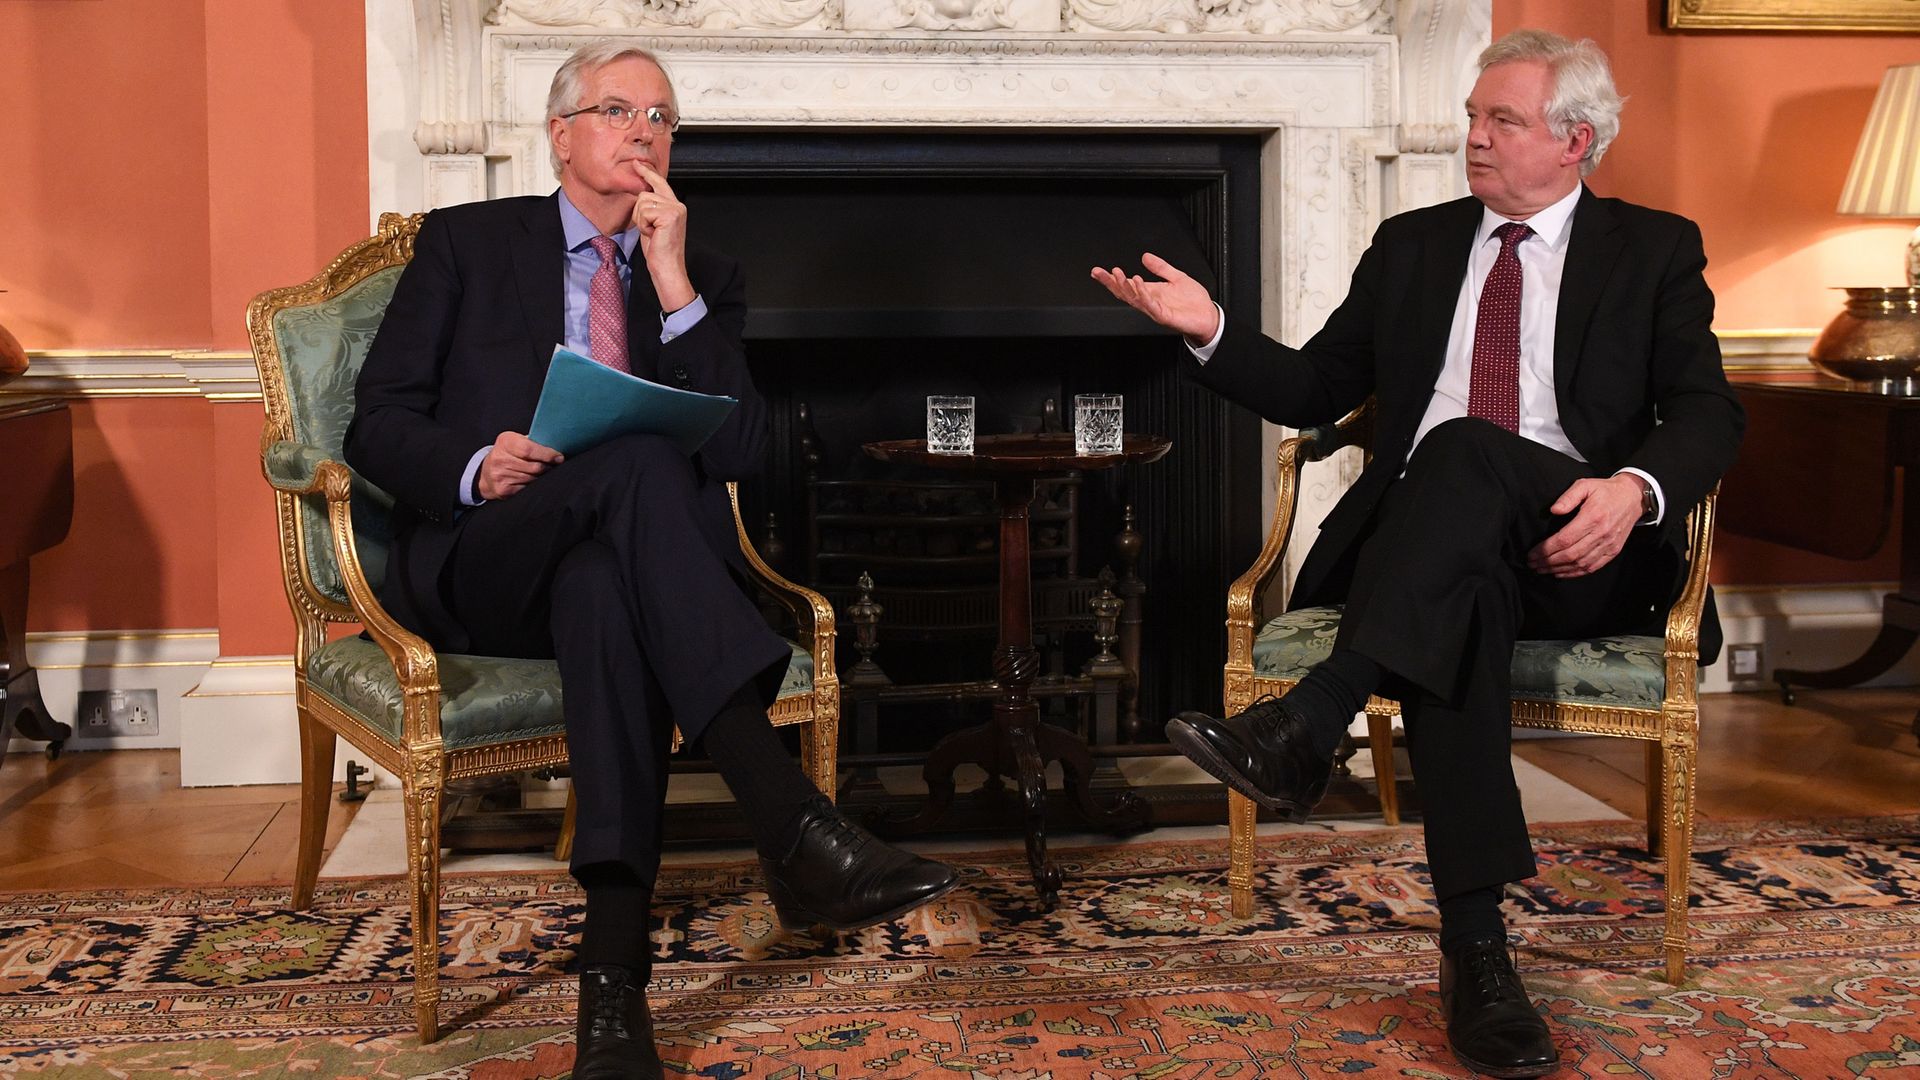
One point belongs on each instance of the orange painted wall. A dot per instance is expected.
(1749, 134)
(174, 159)
(103, 200)
(136, 556)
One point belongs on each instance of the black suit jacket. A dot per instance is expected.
(1636, 368)
(463, 351)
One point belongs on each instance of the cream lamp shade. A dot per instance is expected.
(1885, 178)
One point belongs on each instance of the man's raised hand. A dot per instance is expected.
(662, 220)
(1177, 303)
(513, 463)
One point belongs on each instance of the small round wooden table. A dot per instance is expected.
(1016, 743)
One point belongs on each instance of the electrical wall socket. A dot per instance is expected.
(110, 713)
(1743, 661)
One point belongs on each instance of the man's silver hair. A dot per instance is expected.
(571, 81)
(1583, 90)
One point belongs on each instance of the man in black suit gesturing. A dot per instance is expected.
(1550, 402)
(619, 561)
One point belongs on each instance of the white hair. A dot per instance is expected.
(563, 96)
(1583, 90)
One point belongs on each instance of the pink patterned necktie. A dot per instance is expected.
(607, 310)
(1493, 392)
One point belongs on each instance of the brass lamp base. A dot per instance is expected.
(1874, 340)
(13, 359)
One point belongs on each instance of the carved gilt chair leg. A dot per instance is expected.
(422, 791)
(316, 798)
(1380, 745)
(819, 745)
(1676, 821)
(1656, 794)
(563, 847)
(1240, 822)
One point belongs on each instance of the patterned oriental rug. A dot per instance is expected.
(1806, 964)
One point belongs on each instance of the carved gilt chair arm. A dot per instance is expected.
(414, 664)
(1243, 596)
(810, 610)
(1683, 619)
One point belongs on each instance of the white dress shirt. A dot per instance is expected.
(1543, 255)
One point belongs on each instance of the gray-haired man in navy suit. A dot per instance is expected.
(619, 561)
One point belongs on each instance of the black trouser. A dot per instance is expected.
(601, 563)
(1440, 592)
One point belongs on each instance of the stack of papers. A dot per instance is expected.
(583, 404)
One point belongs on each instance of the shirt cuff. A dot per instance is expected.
(1204, 353)
(469, 480)
(672, 326)
(1659, 497)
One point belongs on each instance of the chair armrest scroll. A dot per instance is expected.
(414, 664)
(293, 467)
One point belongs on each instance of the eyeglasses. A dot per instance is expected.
(620, 116)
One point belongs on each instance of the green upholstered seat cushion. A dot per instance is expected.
(1625, 671)
(322, 347)
(483, 699)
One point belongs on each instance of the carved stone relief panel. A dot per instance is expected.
(1233, 16)
(974, 15)
(693, 14)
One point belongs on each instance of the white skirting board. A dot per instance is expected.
(1809, 627)
(232, 717)
(168, 662)
(239, 726)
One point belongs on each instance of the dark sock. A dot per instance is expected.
(1331, 693)
(1470, 915)
(619, 917)
(763, 776)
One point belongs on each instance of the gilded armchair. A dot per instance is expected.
(428, 717)
(1636, 687)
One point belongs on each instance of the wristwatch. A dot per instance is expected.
(1649, 502)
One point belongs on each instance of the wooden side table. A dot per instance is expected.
(1817, 472)
(1016, 743)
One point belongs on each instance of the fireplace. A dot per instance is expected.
(884, 267)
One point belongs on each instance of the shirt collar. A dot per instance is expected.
(579, 232)
(1550, 224)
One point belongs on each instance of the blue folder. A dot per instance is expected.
(583, 404)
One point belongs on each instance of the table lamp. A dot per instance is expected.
(1876, 339)
(13, 359)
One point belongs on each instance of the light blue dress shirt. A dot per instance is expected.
(582, 263)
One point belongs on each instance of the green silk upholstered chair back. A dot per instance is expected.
(1636, 687)
(427, 717)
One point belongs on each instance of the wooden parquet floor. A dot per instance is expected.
(121, 819)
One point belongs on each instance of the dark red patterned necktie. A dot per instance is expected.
(607, 310)
(1494, 390)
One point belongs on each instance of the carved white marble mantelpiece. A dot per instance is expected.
(1357, 101)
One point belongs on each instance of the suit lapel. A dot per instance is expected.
(1443, 268)
(1592, 250)
(643, 319)
(539, 254)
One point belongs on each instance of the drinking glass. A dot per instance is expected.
(950, 425)
(1096, 424)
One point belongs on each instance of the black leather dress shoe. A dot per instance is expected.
(843, 877)
(614, 1031)
(1262, 753)
(1491, 1025)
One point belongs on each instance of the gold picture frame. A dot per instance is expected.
(1887, 16)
